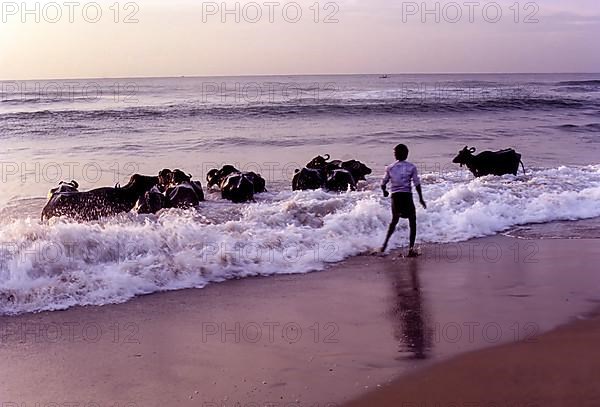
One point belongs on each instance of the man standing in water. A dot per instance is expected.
(401, 174)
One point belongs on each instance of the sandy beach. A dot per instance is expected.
(195, 196)
(331, 337)
(559, 369)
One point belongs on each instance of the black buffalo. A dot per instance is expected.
(490, 162)
(333, 175)
(175, 189)
(152, 201)
(235, 185)
(357, 169)
(307, 178)
(259, 183)
(340, 181)
(322, 163)
(100, 202)
(182, 192)
(216, 177)
(238, 188)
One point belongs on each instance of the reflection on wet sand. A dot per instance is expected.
(409, 311)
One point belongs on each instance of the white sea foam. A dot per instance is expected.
(62, 264)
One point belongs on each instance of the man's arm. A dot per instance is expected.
(420, 192)
(384, 182)
(417, 182)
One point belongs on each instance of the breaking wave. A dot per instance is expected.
(307, 108)
(63, 264)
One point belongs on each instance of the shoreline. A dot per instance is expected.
(322, 337)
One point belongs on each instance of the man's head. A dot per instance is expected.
(401, 152)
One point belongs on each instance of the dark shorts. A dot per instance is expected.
(403, 205)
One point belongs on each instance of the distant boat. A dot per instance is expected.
(383, 77)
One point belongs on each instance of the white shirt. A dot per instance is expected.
(401, 173)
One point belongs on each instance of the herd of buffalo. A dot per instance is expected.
(176, 189)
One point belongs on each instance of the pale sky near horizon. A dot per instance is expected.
(185, 37)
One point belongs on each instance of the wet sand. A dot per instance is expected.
(325, 337)
(560, 368)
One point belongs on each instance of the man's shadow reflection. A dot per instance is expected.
(408, 311)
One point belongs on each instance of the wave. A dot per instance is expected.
(63, 264)
(328, 107)
(594, 82)
(585, 128)
(46, 100)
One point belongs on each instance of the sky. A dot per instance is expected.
(198, 38)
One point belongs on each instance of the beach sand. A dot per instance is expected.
(326, 337)
(559, 369)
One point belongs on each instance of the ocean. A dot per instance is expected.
(101, 131)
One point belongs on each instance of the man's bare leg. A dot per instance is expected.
(391, 229)
(412, 223)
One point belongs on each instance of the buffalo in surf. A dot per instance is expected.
(183, 192)
(235, 185)
(175, 189)
(153, 201)
(490, 162)
(98, 203)
(307, 178)
(334, 175)
(340, 180)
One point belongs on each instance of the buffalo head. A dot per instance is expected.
(211, 176)
(151, 202)
(216, 177)
(71, 186)
(357, 169)
(318, 163)
(464, 156)
(178, 176)
(164, 178)
(140, 184)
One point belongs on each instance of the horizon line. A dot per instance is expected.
(297, 75)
